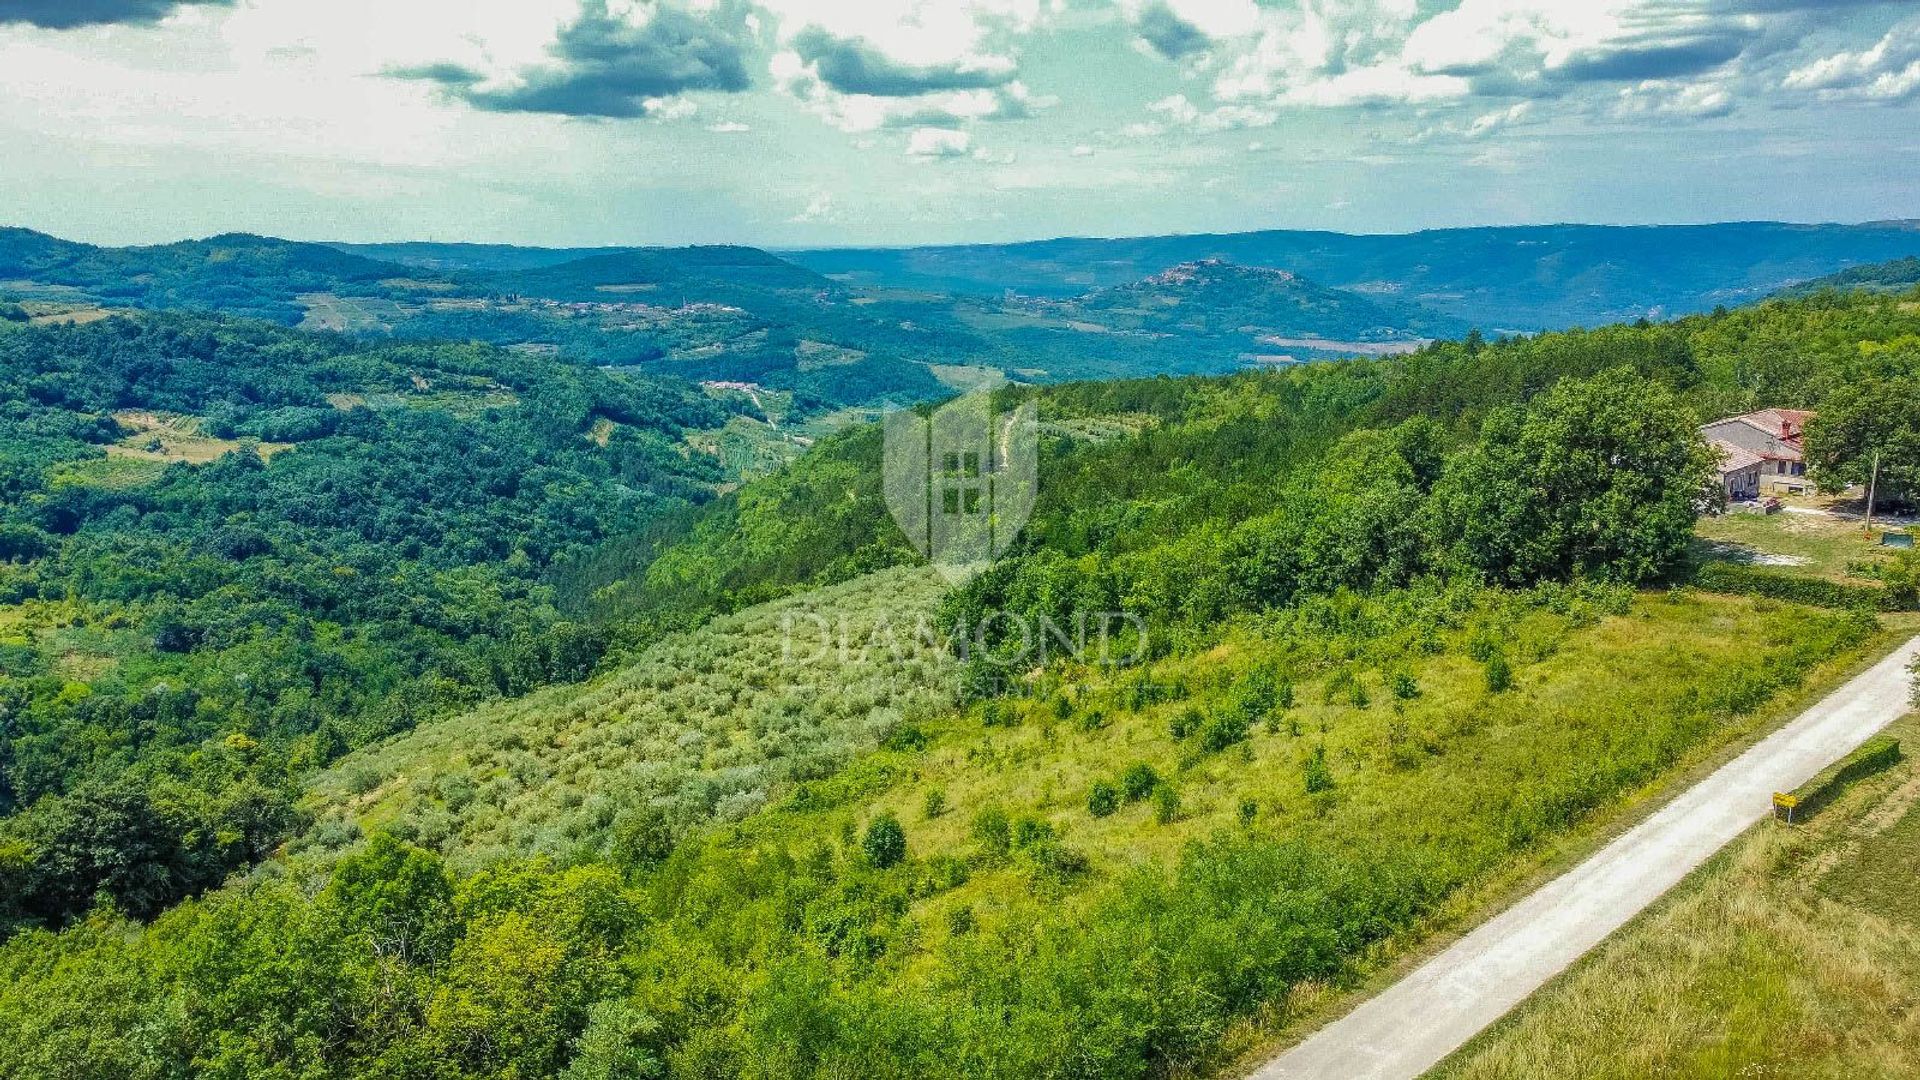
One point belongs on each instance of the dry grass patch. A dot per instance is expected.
(1828, 547)
(165, 437)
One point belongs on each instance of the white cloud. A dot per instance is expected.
(933, 142)
(916, 33)
(819, 208)
(728, 127)
(1180, 112)
(1889, 70)
(1477, 34)
(1487, 123)
(671, 108)
(241, 96)
(1083, 150)
(858, 113)
(1383, 52)
(1380, 85)
(926, 62)
(1695, 101)
(496, 39)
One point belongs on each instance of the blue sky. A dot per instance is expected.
(810, 122)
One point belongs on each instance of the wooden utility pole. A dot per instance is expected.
(1872, 483)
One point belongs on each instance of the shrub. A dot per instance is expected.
(998, 714)
(1186, 722)
(642, 837)
(960, 921)
(1030, 831)
(1403, 685)
(906, 738)
(1228, 726)
(362, 779)
(994, 832)
(1103, 800)
(1257, 694)
(935, 804)
(1138, 781)
(941, 873)
(1902, 580)
(1793, 588)
(614, 1044)
(885, 843)
(1058, 861)
(1499, 673)
(1166, 804)
(1318, 774)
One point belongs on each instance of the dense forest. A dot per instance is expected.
(1412, 620)
(233, 553)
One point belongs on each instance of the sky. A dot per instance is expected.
(806, 123)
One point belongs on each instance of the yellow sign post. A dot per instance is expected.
(1783, 801)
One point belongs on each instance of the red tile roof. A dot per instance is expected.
(1787, 427)
(1734, 458)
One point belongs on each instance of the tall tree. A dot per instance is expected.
(1598, 477)
(1876, 415)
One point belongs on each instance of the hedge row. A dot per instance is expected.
(1795, 588)
(1878, 754)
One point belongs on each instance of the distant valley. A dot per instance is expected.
(1526, 278)
(864, 328)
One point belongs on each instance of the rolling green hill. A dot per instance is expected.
(1215, 298)
(868, 328)
(1413, 627)
(1900, 275)
(681, 275)
(251, 276)
(1498, 278)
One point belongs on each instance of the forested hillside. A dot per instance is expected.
(232, 553)
(1411, 624)
(1897, 276)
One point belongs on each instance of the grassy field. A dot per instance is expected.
(1829, 547)
(326, 311)
(1396, 736)
(1794, 953)
(113, 472)
(167, 438)
(77, 643)
(72, 316)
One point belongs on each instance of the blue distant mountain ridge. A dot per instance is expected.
(1497, 277)
(869, 326)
